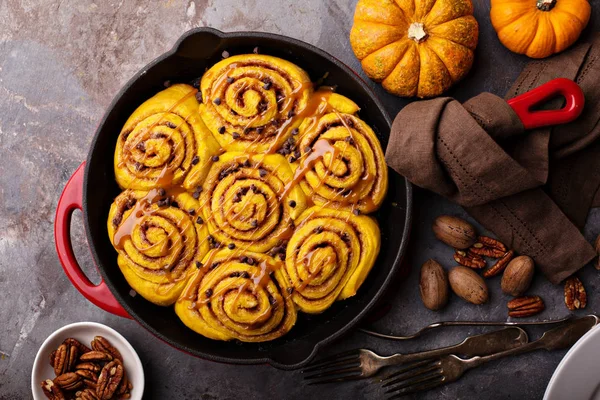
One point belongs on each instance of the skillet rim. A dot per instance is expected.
(317, 344)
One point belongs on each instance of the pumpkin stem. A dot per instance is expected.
(546, 5)
(416, 32)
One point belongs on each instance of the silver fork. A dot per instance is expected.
(427, 375)
(363, 363)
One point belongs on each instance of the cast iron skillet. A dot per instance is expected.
(92, 188)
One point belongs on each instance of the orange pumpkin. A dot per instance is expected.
(539, 28)
(415, 47)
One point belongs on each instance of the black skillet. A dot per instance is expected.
(92, 189)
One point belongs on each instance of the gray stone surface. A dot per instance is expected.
(61, 62)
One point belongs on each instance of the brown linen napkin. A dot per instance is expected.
(532, 189)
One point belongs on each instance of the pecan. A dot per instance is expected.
(500, 265)
(52, 357)
(82, 348)
(86, 394)
(87, 376)
(89, 366)
(96, 356)
(52, 391)
(469, 260)
(64, 358)
(525, 306)
(68, 381)
(123, 385)
(488, 247)
(101, 344)
(109, 379)
(575, 296)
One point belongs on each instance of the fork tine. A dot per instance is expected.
(426, 376)
(332, 358)
(334, 372)
(422, 387)
(348, 376)
(405, 369)
(414, 373)
(333, 364)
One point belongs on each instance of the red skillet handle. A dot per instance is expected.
(538, 119)
(70, 200)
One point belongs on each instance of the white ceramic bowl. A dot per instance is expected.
(85, 332)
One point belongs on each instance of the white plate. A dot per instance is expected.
(577, 376)
(85, 332)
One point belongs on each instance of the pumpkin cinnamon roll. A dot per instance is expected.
(163, 142)
(159, 240)
(329, 257)
(250, 201)
(341, 161)
(237, 294)
(249, 101)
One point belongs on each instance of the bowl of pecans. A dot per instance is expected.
(87, 361)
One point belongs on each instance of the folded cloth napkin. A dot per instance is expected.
(533, 189)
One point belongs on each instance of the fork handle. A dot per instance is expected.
(558, 338)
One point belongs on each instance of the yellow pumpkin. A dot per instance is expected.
(415, 47)
(539, 28)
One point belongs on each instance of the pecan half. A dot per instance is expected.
(82, 348)
(469, 260)
(500, 265)
(525, 306)
(109, 379)
(96, 356)
(89, 366)
(64, 359)
(488, 247)
(68, 381)
(87, 376)
(575, 296)
(86, 394)
(52, 391)
(102, 344)
(52, 357)
(125, 386)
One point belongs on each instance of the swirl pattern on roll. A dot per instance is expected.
(164, 137)
(237, 294)
(353, 173)
(158, 243)
(329, 257)
(249, 101)
(247, 201)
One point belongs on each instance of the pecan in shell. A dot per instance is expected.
(68, 381)
(109, 379)
(500, 265)
(488, 247)
(469, 260)
(102, 344)
(575, 295)
(96, 356)
(52, 391)
(525, 306)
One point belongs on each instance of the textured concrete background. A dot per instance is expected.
(61, 62)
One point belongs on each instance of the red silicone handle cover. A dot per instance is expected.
(71, 200)
(524, 103)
